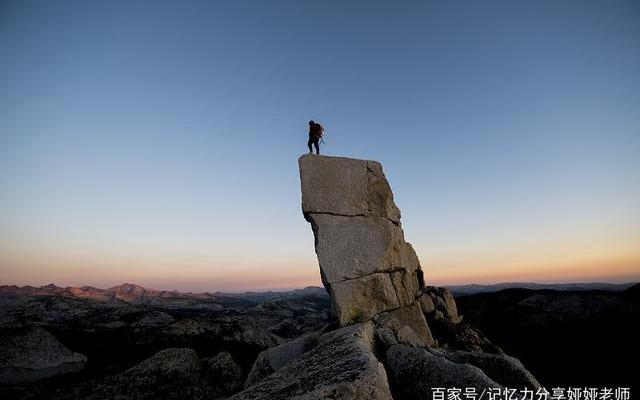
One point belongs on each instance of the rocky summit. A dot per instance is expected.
(365, 263)
(395, 337)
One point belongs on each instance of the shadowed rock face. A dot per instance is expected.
(416, 371)
(405, 325)
(341, 366)
(365, 263)
(31, 353)
(271, 360)
(563, 326)
(172, 373)
(226, 333)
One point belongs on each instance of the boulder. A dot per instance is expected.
(341, 366)
(404, 325)
(506, 370)
(414, 372)
(172, 362)
(31, 353)
(172, 373)
(460, 336)
(426, 303)
(439, 302)
(271, 360)
(222, 375)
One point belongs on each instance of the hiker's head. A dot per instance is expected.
(311, 122)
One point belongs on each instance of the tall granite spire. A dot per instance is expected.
(365, 263)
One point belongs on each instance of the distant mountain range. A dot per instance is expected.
(462, 290)
(136, 294)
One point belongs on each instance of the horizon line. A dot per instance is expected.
(292, 288)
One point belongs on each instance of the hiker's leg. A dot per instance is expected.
(315, 143)
(309, 144)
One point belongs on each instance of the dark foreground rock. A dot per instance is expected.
(226, 332)
(271, 360)
(174, 373)
(566, 338)
(506, 370)
(415, 371)
(341, 366)
(222, 375)
(31, 353)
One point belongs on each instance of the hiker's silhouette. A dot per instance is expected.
(315, 135)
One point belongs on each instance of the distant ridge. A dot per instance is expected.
(136, 294)
(461, 290)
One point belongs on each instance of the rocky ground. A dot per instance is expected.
(566, 337)
(55, 344)
(73, 348)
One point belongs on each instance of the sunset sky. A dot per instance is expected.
(156, 142)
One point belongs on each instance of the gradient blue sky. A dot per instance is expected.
(156, 142)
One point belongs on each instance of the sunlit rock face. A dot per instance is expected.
(365, 263)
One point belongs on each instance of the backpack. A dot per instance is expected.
(318, 130)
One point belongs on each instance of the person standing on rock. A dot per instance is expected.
(316, 131)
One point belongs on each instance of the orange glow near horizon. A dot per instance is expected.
(589, 255)
(597, 271)
(191, 275)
